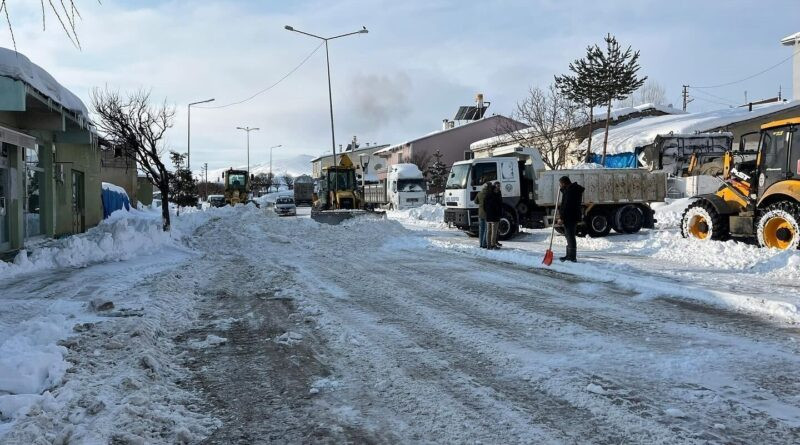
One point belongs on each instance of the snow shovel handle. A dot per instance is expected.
(553, 229)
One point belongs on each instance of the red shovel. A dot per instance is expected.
(548, 255)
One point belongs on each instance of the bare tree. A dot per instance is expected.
(65, 11)
(420, 159)
(552, 122)
(288, 179)
(651, 92)
(137, 128)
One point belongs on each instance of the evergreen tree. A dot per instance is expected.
(583, 87)
(183, 186)
(437, 174)
(618, 75)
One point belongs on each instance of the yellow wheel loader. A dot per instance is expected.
(338, 198)
(759, 198)
(237, 186)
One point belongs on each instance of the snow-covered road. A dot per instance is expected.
(374, 331)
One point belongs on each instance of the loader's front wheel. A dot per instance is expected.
(701, 221)
(778, 226)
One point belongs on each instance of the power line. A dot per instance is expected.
(754, 75)
(271, 86)
(713, 101)
(729, 102)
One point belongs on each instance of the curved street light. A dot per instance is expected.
(363, 30)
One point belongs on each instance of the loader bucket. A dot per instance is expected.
(334, 217)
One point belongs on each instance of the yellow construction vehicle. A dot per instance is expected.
(237, 186)
(758, 198)
(338, 188)
(339, 197)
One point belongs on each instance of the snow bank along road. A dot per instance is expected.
(284, 330)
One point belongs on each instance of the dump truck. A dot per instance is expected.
(304, 190)
(757, 198)
(616, 199)
(403, 188)
(237, 186)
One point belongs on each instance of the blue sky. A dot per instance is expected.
(419, 62)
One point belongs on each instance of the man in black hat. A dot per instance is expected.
(570, 213)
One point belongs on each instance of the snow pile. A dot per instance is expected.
(432, 215)
(114, 239)
(627, 136)
(669, 215)
(586, 166)
(31, 363)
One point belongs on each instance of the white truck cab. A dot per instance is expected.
(405, 186)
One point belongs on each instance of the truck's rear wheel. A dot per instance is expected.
(507, 226)
(701, 221)
(598, 223)
(778, 226)
(628, 219)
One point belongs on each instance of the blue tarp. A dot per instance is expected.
(622, 160)
(114, 200)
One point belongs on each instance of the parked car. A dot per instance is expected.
(284, 206)
(216, 200)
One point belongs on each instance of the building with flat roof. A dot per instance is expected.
(49, 157)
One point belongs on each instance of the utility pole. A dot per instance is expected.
(205, 171)
(685, 95)
(271, 177)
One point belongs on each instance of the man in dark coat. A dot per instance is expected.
(480, 199)
(494, 210)
(569, 212)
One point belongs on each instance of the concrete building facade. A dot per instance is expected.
(49, 157)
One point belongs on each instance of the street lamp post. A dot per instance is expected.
(189, 131)
(363, 159)
(330, 95)
(248, 130)
(270, 161)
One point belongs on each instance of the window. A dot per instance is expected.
(483, 173)
(237, 180)
(34, 178)
(411, 185)
(794, 157)
(458, 177)
(468, 155)
(775, 150)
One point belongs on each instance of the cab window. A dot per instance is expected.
(483, 173)
(794, 157)
(775, 150)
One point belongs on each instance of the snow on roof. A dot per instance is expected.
(627, 136)
(19, 67)
(114, 188)
(624, 111)
(615, 115)
(406, 170)
(791, 39)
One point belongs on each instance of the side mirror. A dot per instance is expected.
(252, 177)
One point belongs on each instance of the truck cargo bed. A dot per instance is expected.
(605, 185)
